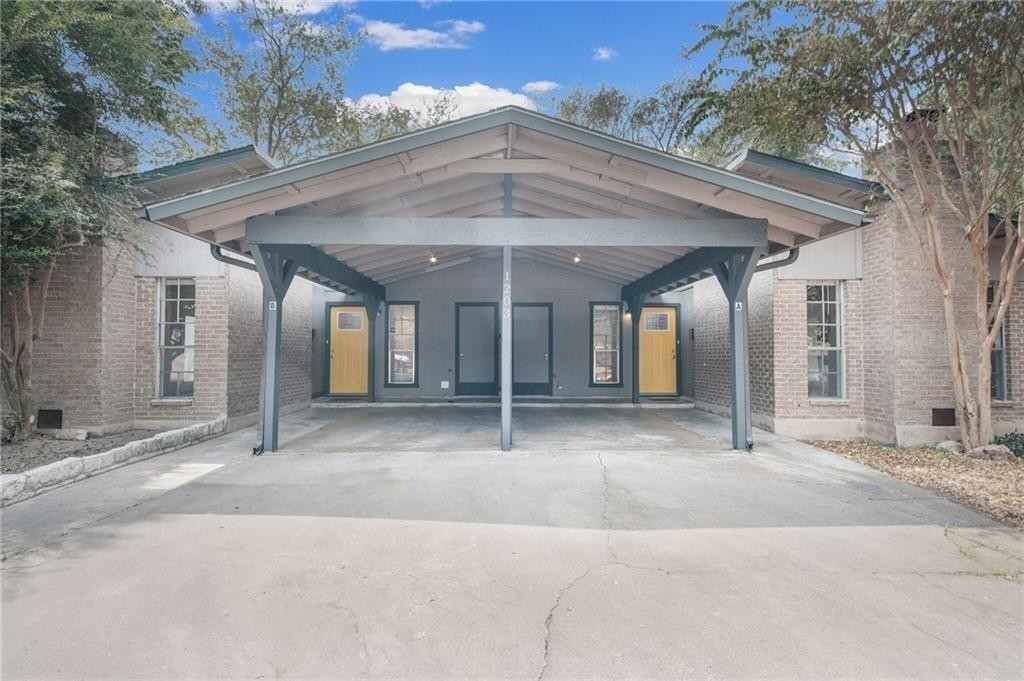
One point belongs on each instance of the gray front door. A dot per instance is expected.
(531, 349)
(476, 348)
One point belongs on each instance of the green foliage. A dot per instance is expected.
(928, 95)
(284, 88)
(660, 120)
(76, 75)
(1014, 440)
(73, 73)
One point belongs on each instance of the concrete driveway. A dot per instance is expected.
(612, 543)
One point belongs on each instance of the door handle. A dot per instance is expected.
(462, 354)
(545, 355)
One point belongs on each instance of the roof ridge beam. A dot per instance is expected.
(506, 231)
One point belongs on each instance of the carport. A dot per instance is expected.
(513, 186)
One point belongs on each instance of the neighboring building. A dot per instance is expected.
(848, 341)
(168, 339)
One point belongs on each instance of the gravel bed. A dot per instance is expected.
(995, 488)
(39, 450)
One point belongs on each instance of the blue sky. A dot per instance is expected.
(489, 51)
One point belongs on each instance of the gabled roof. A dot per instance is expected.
(508, 162)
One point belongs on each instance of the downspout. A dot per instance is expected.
(794, 253)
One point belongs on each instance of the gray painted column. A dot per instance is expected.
(372, 311)
(734, 275)
(276, 274)
(506, 348)
(635, 305)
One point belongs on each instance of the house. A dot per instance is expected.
(509, 255)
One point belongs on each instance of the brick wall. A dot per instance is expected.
(117, 312)
(244, 342)
(1009, 414)
(210, 390)
(68, 353)
(711, 347)
(795, 413)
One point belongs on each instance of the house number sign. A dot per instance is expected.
(506, 296)
(272, 305)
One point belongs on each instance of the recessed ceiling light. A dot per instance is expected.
(576, 259)
(432, 259)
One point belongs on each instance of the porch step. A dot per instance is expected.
(552, 402)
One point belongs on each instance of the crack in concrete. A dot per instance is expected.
(608, 525)
(551, 615)
(946, 643)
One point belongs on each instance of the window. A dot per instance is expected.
(177, 340)
(402, 344)
(656, 321)
(998, 358)
(606, 344)
(824, 341)
(350, 321)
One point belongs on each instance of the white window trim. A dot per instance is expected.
(161, 292)
(841, 340)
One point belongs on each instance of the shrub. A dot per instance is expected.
(1014, 440)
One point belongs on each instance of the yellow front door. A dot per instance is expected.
(658, 351)
(350, 336)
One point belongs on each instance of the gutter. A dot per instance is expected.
(218, 254)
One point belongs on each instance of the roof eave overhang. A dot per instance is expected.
(160, 210)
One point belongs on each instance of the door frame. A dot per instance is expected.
(679, 341)
(535, 388)
(483, 389)
(369, 350)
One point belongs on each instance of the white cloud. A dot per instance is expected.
(604, 54)
(304, 7)
(452, 34)
(535, 86)
(466, 99)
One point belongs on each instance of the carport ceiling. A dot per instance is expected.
(505, 163)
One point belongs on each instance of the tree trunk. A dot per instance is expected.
(17, 363)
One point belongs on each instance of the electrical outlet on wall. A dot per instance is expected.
(444, 385)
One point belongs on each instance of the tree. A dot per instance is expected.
(929, 95)
(679, 117)
(659, 120)
(283, 89)
(75, 75)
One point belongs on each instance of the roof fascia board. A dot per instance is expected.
(202, 163)
(804, 170)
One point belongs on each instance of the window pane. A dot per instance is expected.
(813, 293)
(176, 353)
(606, 329)
(606, 366)
(174, 334)
(831, 313)
(350, 321)
(831, 336)
(402, 367)
(814, 313)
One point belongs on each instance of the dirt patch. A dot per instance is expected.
(40, 450)
(995, 488)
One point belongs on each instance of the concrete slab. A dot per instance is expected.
(574, 556)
